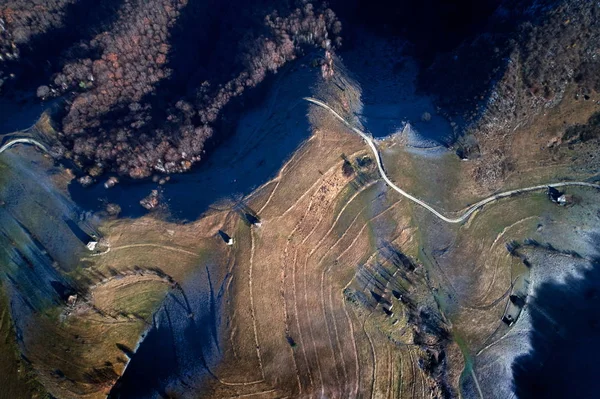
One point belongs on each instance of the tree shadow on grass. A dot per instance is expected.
(182, 345)
(225, 172)
(564, 360)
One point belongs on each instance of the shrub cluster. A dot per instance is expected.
(562, 49)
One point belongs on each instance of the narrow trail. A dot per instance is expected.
(252, 313)
(295, 294)
(477, 384)
(469, 211)
(353, 335)
(166, 247)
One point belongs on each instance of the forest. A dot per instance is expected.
(145, 83)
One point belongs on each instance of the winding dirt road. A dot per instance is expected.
(469, 211)
(23, 141)
(466, 214)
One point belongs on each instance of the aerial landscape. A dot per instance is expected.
(299, 199)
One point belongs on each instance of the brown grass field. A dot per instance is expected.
(289, 330)
(311, 305)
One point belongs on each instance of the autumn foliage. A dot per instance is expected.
(20, 21)
(147, 87)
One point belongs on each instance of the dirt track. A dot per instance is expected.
(23, 141)
(466, 213)
(470, 210)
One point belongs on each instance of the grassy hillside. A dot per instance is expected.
(16, 378)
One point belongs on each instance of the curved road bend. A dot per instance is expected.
(371, 144)
(469, 211)
(23, 141)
